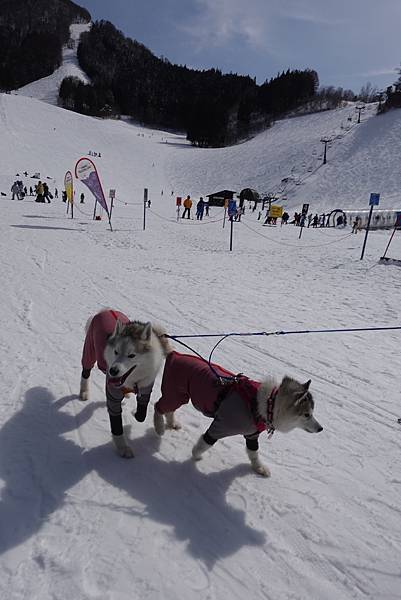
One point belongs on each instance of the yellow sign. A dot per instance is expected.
(225, 203)
(69, 186)
(275, 211)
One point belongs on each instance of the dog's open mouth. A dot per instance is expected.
(119, 381)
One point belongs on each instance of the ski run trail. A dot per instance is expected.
(78, 522)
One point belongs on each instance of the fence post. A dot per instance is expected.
(145, 201)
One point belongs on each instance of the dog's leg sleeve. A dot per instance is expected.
(142, 408)
(204, 443)
(84, 387)
(158, 423)
(171, 422)
(252, 449)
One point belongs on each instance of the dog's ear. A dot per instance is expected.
(117, 329)
(300, 396)
(147, 332)
(307, 384)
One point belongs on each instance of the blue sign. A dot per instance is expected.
(374, 199)
(232, 208)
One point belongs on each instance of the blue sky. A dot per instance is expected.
(348, 42)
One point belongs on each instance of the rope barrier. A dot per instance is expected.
(180, 221)
(281, 243)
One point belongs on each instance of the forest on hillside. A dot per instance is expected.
(32, 34)
(214, 109)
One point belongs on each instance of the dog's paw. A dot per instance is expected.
(158, 423)
(84, 390)
(196, 455)
(199, 449)
(261, 469)
(126, 452)
(84, 395)
(171, 422)
(174, 425)
(122, 447)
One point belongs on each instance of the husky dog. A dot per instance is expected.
(130, 354)
(238, 405)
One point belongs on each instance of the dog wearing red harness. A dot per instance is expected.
(130, 354)
(236, 404)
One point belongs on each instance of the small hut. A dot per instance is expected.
(217, 199)
(250, 195)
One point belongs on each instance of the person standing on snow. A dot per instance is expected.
(46, 192)
(187, 207)
(82, 198)
(15, 191)
(40, 192)
(200, 207)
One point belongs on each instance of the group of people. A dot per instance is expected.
(302, 220)
(41, 191)
(201, 208)
(43, 194)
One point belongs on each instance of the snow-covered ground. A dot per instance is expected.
(46, 89)
(79, 522)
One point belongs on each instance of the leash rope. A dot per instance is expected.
(224, 336)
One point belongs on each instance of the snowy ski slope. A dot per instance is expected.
(79, 522)
(46, 89)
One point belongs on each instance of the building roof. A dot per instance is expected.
(222, 193)
(249, 194)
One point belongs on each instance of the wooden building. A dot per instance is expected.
(217, 199)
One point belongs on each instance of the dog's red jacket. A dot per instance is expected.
(100, 328)
(188, 377)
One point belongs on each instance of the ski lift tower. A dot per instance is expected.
(325, 141)
(359, 109)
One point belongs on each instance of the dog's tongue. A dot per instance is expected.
(118, 381)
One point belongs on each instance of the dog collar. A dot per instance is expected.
(270, 429)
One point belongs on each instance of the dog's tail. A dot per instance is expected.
(164, 342)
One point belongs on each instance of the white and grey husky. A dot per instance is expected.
(238, 405)
(130, 353)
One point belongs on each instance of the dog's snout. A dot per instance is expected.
(319, 429)
(114, 371)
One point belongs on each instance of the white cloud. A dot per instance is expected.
(255, 22)
(379, 72)
(220, 22)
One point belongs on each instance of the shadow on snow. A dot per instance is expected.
(38, 466)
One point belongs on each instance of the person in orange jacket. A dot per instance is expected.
(187, 207)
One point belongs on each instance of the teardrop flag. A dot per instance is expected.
(85, 171)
